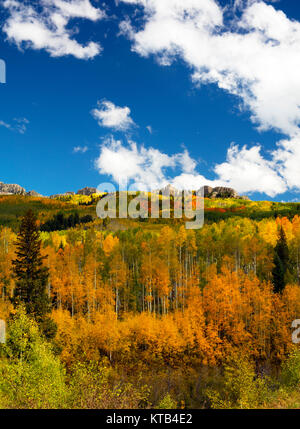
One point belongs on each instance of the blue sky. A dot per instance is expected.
(151, 104)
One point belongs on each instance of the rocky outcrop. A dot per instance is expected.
(87, 191)
(66, 194)
(84, 191)
(207, 192)
(168, 190)
(223, 192)
(33, 194)
(11, 189)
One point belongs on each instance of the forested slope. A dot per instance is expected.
(163, 315)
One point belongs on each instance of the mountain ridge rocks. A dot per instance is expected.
(208, 191)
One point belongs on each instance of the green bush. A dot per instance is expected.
(167, 403)
(93, 385)
(240, 387)
(31, 376)
(290, 374)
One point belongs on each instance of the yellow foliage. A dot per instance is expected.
(109, 243)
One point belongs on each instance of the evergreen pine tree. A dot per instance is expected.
(31, 275)
(281, 262)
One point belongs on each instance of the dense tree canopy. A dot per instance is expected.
(163, 299)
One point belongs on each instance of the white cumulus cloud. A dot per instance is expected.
(248, 171)
(249, 49)
(144, 168)
(111, 116)
(46, 26)
(255, 57)
(148, 168)
(287, 157)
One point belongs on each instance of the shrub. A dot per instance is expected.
(290, 374)
(240, 388)
(167, 403)
(31, 376)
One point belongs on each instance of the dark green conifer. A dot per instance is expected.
(281, 262)
(31, 275)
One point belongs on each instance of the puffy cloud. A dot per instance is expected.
(253, 54)
(145, 168)
(187, 164)
(256, 57)
(46, 26)
(193, 182)
(111, 116)
(287, 157)
(246, 170)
